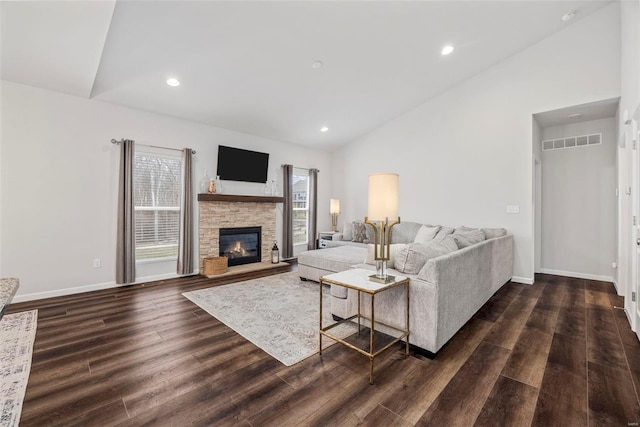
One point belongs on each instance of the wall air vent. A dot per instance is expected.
(572, 141)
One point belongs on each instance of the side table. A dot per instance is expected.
(358, 279)
(323, 236)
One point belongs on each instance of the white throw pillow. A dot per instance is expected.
(426, 234)
(395, 249)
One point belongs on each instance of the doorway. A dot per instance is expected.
(575, 205)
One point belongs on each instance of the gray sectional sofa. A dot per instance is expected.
(453, 273)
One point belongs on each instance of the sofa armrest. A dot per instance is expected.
(466, 279)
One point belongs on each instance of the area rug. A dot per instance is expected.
(279, 314)
(17, 334)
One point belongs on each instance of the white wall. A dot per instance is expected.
(579, 203)
(59, 177)
(629, 101)
(537, 194)
(465, 155)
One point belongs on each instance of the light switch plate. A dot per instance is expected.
(513, 209)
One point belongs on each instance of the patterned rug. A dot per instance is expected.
(277, 313)
(17, 334)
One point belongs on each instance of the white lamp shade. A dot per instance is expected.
(383, 196)
(334, 207)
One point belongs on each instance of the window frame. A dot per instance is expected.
(165, 154)
(304, 173)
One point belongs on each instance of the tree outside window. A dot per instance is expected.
(300, 206)
(157, 184)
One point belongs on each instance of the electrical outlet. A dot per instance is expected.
(97, 263)
(614, 265)
(513, 209)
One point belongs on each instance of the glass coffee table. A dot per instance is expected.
(358, 279)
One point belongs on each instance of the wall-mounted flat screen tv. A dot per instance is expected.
(236, 164)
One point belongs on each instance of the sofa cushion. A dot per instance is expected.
(371, 234)
(448, 242)
(394, 249)
(414, 256)
(359, 232)
(336, 259)
(347, 231)
(463, 229)
(468, 238)
(426, 234)
(492, 233)
(443, 232)
(405, 232)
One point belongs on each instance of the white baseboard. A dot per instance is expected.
(577, 275)
(523, 280)
(88, 288)
(63, 292)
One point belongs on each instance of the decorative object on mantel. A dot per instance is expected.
(215, 265)
(334, 210)
(274, 187)
(275, 253)
(204, 182)
(267, 189)
(383, 204)
(218, 185)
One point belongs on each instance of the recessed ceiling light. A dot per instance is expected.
(317, 64)
(173, 82)
(324, 129)
(574, 116)
(447, 49)
(569, 16)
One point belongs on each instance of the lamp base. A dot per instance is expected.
(384, 281)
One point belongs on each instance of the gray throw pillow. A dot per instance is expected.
(464, 239)
(463, 229)
(414, 256)
(444, 232)
(449, 242)
(492, 233)
(359, 232)
(370, 232)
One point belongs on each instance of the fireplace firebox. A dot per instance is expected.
(241, 245)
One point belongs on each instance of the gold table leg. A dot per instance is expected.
(406, 350)
(358, 312)
(371, 339)
(320, 334)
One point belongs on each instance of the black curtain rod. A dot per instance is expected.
(304, 169)
(113, 141)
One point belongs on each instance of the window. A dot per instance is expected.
(157, 182)
(300, 206)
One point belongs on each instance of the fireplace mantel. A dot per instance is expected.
(208, 197)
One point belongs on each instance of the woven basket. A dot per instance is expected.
(215, 265)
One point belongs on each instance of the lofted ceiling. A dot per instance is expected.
(247, 66)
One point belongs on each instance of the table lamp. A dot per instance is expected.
(383, 204)
(334, 210)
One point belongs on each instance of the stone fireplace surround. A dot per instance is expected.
(217, 211)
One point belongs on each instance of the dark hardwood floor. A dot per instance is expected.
(553, 354)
